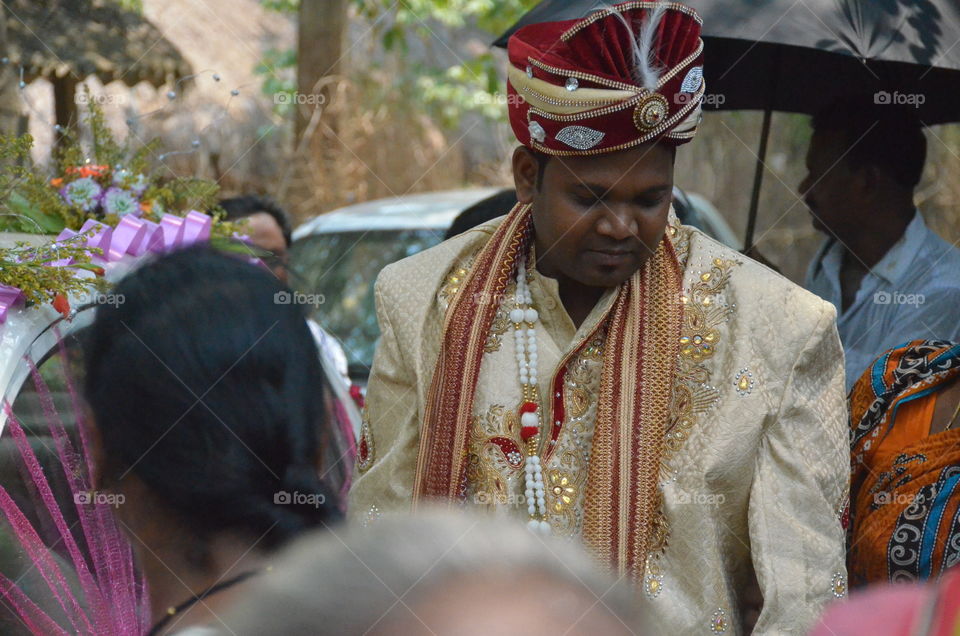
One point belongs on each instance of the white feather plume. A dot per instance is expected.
(646, 70)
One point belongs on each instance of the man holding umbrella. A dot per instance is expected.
(891, 278)
(593, 368)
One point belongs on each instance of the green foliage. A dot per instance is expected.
(139, 162)
(185, 194)
(278, 69)
(26, 267)
(446, 93)
(470, 86)
(32, 203)
(283, 6)
(106, 150)
(131, 5)
(493, 16)
(27, 203)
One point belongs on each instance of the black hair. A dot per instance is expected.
(490, 208)
(877, 133)
(206, 385)
(247, 205)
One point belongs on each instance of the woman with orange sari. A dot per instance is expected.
(905, 452)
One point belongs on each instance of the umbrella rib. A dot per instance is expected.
(941, 56)
(840, 37)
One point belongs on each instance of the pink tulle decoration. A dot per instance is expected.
(97, 590)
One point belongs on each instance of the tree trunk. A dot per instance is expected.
(9, 92)
(322, 31)
(320, 52)
(64, 104)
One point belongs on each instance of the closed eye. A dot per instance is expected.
(650, 202)
(587, 201)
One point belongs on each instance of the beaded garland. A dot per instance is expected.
(524, 318)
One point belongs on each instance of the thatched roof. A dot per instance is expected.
(55, 38)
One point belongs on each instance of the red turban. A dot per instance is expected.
(620, 77)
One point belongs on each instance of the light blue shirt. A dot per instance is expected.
(912, 292)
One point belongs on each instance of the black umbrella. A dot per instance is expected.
(799, 55)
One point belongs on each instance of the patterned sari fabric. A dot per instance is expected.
(904, 495)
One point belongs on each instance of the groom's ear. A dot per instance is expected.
(526, 174)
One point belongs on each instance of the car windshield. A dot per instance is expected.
(342, 267)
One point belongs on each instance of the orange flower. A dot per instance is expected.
(56, 183)
(146, 206)
(61, 304)
(88, 170)
(96, 171)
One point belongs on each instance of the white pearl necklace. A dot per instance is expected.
(524, 318)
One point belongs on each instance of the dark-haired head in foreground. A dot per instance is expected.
(205, 397)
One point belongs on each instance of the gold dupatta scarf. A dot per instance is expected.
(643, 330)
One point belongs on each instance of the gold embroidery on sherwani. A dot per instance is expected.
(494, 480)
(495, 455)
(453, 281)
(577, 402)
(564, 490)
(567, 463)
(705, 311)
(501, 322)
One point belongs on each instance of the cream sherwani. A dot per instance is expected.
(755, 472)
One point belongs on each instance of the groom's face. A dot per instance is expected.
(597, 218)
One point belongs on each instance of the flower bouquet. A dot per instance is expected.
(103, 204)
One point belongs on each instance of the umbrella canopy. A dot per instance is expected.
(798, 55)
